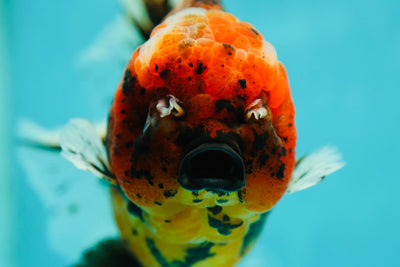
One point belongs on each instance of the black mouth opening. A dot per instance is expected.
(213, 166)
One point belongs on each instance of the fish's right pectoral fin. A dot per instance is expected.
(83, 146)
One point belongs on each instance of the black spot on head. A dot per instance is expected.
(191, 64)
(164, 73)
(200, 68)
(161, 186)
(170, 193)
(156, 67)
(262, 160)
(242, 83)
(167, 221)
(222, 104)
(138, 174)
(138, 195)
(129, 144)
(197, 200)
(254, 31)
(281, 172)
(128, 82)
(259, 142)
(158, 203)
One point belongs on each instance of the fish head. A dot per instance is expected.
(197, 116)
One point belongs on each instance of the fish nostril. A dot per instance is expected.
(214, 166)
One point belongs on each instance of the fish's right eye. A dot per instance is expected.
(170, 105)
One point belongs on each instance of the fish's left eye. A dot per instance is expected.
(257, 110)
(170, 105)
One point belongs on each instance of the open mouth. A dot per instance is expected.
(213, 166)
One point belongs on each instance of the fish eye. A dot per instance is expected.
(169, 105)
(257, 110)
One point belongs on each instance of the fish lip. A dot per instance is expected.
(225, 172)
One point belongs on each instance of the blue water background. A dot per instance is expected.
(343, 62)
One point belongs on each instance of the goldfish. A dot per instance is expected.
(200, 141)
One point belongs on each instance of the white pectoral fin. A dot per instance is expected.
(312, 169)
(83, 146)
(72, 199)
(32, 134)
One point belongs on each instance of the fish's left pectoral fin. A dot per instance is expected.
(313, 168)
(84, 147)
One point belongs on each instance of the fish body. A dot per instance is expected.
(200, 142)
(201, 139)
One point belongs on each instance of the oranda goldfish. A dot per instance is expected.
(200, 142)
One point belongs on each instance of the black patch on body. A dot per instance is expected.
(215, 210)
(156, 252)
(108, 253)
(135, 210)
(224, 228)
(254, 231)
(193, 254)
(196, 254)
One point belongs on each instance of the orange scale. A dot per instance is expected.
(172, 39)
(220, 14)
(281, 90)
(226, 36)
(255, 43)
(145, 77)
(224, 53)
(242, 43)
(157, 81)
(186, 53)
(218, 21)
(245, 29)
(201, 106)
(158, 27)
(268, 71)
(205, 42)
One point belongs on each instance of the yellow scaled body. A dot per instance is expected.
(208, 233)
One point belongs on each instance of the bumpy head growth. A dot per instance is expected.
(204, 106)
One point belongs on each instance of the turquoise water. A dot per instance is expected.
(343, 61)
